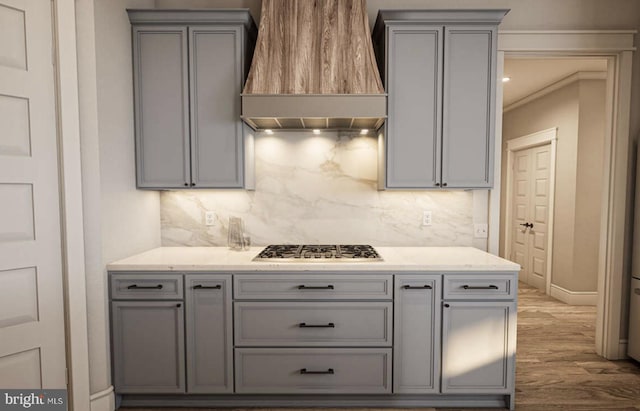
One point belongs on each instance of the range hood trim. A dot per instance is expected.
(368, 109)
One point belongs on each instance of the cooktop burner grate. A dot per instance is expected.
(318, 252)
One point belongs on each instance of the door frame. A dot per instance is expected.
(540, 138)
(613, 268)
(71, 206)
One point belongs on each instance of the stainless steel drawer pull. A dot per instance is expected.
(207, 287)
(305, 371)
(480, 287)
(143, 287)
(305, 325)
(417, 287)
(322, 287)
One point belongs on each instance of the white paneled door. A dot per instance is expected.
(32, 345)
(530, 213)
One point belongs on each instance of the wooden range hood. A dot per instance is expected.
(314, 68)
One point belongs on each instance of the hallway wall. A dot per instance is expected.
(577, 110)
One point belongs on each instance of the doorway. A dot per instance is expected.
(567, 96)
(530, 193)
(617, 48)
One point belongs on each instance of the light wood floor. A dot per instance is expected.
(557, 368)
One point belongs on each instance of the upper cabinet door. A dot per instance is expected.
(469, 106)
(216, 63)
(414, 84)
(161, 93)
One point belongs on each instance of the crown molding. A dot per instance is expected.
(550, 88)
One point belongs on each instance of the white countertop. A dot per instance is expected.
(395, 259)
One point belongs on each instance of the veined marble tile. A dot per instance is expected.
(318, 189)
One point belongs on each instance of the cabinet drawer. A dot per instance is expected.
(313, 324)
(480, 287)
(312, 287)
(310, 371)
(146, 286)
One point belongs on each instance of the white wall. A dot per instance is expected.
(119, 220)
(589, 183)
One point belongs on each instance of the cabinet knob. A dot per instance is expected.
(444, 184)
(446, 306)
(193, 184)
(186, 184)
(437, 184)
(178, 305)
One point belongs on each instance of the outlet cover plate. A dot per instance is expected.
(481, 230)
(426, 218)
(209, 218)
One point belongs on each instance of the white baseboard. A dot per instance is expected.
(103, 400)
(574, 297)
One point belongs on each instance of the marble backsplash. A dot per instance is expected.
(318, 189)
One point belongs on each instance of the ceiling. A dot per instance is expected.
(531, 75)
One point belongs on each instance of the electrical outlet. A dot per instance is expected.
(426, 217)
(480, 230)
(209, 218)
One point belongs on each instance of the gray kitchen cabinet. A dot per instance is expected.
(189, 69)
(209, 333)
(439, 69)
(148, 346)
(478, 347)
(410, 338)
(416, 359)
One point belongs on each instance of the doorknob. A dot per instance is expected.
(527, 225)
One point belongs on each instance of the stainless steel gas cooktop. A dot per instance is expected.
(319, 253)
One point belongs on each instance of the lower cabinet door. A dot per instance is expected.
(209, 334)
(313, 370)
(416, 354)
(478, 347)
(148, 346)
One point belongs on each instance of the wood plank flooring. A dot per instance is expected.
(557, 367)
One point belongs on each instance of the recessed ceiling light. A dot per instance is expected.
(364, 131)
(506, 79)
(316, 131)
(268, 131)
